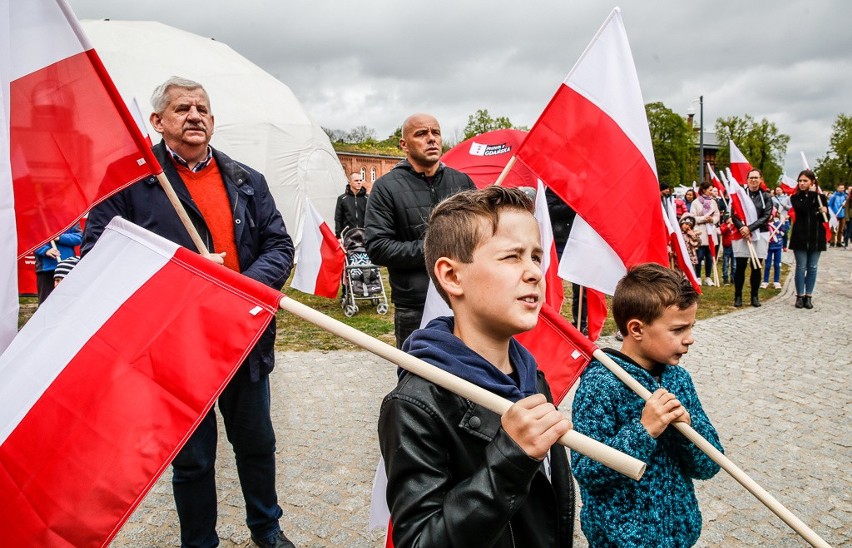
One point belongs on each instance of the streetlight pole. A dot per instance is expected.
(701, 141)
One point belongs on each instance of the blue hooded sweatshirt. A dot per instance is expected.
(436, 345)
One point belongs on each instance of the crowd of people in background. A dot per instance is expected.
(806, 222)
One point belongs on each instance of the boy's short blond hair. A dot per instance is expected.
(455, 226)
(646, 291)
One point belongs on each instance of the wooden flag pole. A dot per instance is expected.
(503, 174)
(184, 217)
(715, 269)
(580, 311)
(625, 464)
(719, 458)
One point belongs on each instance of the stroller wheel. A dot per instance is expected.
(350, 310)
(382, 308)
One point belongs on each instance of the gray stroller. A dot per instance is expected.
(362, 280)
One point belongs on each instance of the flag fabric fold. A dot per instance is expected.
(714, 179)
(739, 165)
(68, 140)
(109, 378)
(788, 184)
(321, 259)
(741, 206)
(592, 146)
(678, 245)
(73, 140)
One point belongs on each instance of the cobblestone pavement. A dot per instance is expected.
(774, 380)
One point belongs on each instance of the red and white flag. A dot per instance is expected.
(109, 378)
(678, 244)
(741, 206)
(716, 182)
(739, 165)
(321, 259)
(68, 138)
(788, 184)
(592, 146)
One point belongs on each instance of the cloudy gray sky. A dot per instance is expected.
(373, 62)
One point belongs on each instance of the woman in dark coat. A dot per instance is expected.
(807, 238)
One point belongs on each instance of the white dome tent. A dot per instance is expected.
(258, 119)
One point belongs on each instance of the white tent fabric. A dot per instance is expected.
(258, 119)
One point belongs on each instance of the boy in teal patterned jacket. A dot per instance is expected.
(654, 307)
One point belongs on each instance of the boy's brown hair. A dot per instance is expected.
(646, 291)
(455, 226)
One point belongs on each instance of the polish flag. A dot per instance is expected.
(716, 182)
(741, 206)
(320, 261)
(739, 165)
(788, 185)
(109, 378)
(678, 244)
(67, 139)
(592, 146)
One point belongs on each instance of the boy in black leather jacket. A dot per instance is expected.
(458, 474)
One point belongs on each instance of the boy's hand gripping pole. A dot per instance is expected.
(618, 461)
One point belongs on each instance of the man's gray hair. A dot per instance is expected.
(160, 97)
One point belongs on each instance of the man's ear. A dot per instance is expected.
(635, 329)
(403, 145)
(156, 122)
(447, 274)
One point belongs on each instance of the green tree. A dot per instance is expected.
(481, 122)
(836, 166)
(673, 142)
(759, 140)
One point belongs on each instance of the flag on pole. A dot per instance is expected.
(788, 184)
(109, 378)
(716, 182)
(592, 146)
(678, 244)
(741, 206)
(739, 165)
(321, 259)
(68, 138)
(554, 293)
(805, 164)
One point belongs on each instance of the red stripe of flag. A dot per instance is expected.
(70, 146)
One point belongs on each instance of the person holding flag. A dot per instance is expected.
(759, 228)
(807, 236)
(231, 207)
(706, 214)
(441, 452)
(837, 203)
(655, 309)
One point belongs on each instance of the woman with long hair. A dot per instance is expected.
(807, 237)
(706, 213)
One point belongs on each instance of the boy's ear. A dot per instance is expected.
(447, 273)
(635, 329)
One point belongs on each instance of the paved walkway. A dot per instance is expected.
(774, 380)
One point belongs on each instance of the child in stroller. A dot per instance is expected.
(362, 280)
